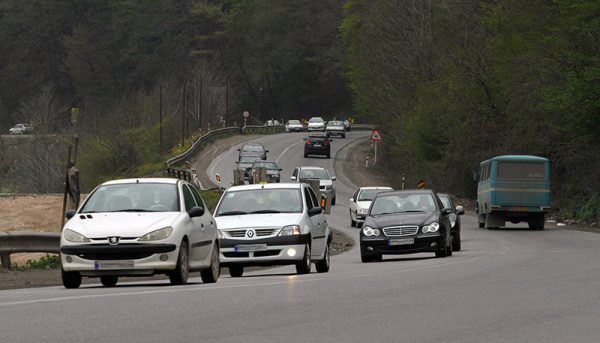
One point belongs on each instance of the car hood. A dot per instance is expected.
(363, 204)
(257, 220)
(325, 182)
(401, 219)
(316, 124)
(122, 224)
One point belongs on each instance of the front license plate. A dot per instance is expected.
(406, 241)
(250, 247)
(105, 265)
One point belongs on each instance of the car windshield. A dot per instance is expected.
(402, 203)
(133, 197)
(294, 122)
(316, 120)
(335, 123)
(252, 148)
(248, 159)
(268, 165)
(320, 174)
(369, 194)
(266, 200)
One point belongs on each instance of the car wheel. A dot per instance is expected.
(109, 280)
(449, 248)
(443, 252)
(211, 275)
(180, 275)
(329, 155)
(456, 246)
(481, 221)
(303, 267)
(323, 265)
(236, 271)
(366, 258)
(305, 155)
(71, 279)
(333, 201)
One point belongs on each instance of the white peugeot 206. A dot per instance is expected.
(137, 227)
(272, 224)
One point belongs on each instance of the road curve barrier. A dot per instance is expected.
(24, 241)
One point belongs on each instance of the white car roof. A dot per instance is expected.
(143, 180)
(285, 185)
(312, 167)
(375, 187)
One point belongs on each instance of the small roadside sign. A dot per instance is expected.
(421, 184)
(376, 136)
(246, 114)
(218, 178)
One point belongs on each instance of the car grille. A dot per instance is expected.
(398, 231)
(242, 233)
(115, 256)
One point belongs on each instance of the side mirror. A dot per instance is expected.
(196, 211)
(70, 214)
(280, 169)
(293, 178)
(333, 178)
(446, 211)
(314, 211)
(460, 210)
(266, 151)
(239, 150)
(351, 199)
(237, 162)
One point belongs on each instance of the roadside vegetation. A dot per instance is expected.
(450, 83)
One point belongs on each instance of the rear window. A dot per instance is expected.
(521, 170)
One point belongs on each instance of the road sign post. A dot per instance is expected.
(218, 178)
(375, 137)
(246, 114)
(421, 184)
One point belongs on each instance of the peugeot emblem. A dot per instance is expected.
(113, 240)
(250, 233)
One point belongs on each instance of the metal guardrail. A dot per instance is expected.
(363, 127)
(22, 241)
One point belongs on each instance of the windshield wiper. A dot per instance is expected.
(232, 213)
(133, 210)
(266, 211)
(413, 211)
(383, 213)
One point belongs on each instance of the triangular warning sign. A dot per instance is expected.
(376, 136)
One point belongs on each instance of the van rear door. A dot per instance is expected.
(528, 180)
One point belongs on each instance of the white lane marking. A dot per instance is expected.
(286, 150)
(211, 169)
(172, 290)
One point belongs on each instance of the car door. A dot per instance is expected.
(354, 204)
(208, 226)
(194, 226)
(318, 223)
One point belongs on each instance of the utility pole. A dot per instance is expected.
(226, 99)
(183, 119)
(160, 119)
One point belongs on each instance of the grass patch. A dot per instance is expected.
(45, 262)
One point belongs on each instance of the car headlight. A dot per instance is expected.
(290, 230)
(220, 234)
(157, 235)
(433, 227)
(75, 237)
(370, 232)
(363, 210)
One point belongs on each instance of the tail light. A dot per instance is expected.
(309, 142)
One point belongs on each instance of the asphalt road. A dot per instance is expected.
(511, 285)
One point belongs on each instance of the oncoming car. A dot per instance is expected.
(454, 217)
(336, 128)
(406, 222)
(361, 201)
(316, 124)
(326, 186)
(137, 227)
(272, 224)
(294, 125)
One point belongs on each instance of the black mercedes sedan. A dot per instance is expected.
(406, 222)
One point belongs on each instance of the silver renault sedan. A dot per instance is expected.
(137, 227)
(272, 224)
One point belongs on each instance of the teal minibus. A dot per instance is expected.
(514, 188)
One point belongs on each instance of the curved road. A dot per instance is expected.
(509, 285)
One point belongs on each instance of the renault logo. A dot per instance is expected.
(250, 233)
(113, 240)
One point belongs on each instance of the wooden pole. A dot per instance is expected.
(160, 119)
(64, 208)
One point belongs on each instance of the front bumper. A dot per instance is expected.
(262, 252)
(316, 128)
(125, 259)
(384, 245)
(339, 133)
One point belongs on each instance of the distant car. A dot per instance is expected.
(361, 201)
(336, 128)
(316, 124)
(253, 148)
(137, 227)
(316, 173)
(272, 224)
(316, 144)
(273, 170)
(294, 126)
(245, 164)
(406, 222)
(21, 129)
(272, 122)
(454, 217)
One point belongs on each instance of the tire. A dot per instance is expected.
(109, 280)
(333, 201)
(449, 248)
(71, 279)
(366, 258)
(211, 275)
(324, 264)
(236, 271)
(442, 252)
(305, 155)
(456, 245)
(328, 155)
(180, 275)
(303, 267)
(481, 221)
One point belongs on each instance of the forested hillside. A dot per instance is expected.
(450, 82)
(455, 82)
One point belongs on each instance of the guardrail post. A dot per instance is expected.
(5, 259)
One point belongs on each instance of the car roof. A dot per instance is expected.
(263, 161)
(375, 187)
(407, 191)
(164, 180)
(520, 158)
(285, 185)
(252, 143)
(312, 167)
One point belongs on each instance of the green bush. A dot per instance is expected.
(45, 262)
(590, 211)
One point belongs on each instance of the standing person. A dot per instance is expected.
(73, 190)
(192, 175)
